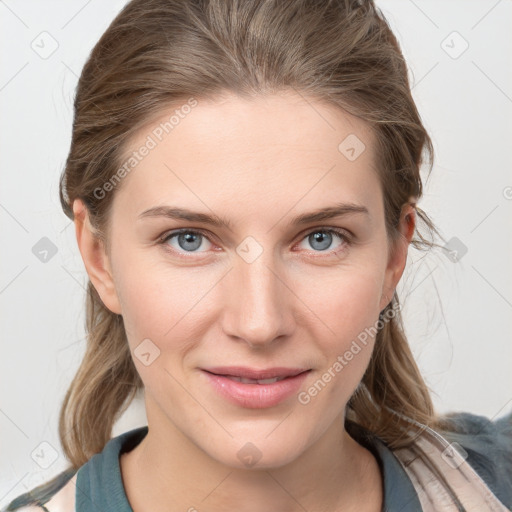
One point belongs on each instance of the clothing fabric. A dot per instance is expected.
(482, 446)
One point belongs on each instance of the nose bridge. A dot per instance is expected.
(259, 303)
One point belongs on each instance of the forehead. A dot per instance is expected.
(252, 154)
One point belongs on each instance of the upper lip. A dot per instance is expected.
(254, 373)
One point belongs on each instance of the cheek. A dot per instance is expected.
(153, 297)
(164, 303)
(346, 300)
(154, 315)
(349, 307)
(357, 306)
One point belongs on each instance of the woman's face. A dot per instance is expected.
(247, 283)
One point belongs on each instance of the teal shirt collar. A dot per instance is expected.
(99, 485)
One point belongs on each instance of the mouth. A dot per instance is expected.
(245, 380)
(255, 388)
(255, 376)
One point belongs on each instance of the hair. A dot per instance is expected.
(157, 54)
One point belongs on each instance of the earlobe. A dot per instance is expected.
(398, 255)
(95, 259)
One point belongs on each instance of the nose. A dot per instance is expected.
(259, 303)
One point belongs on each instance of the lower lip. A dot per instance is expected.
(256, 396)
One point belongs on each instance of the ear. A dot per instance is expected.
(95, 259)
(398, 253)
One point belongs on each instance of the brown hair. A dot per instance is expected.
(156, 54)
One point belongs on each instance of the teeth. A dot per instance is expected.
(245, 380)
(269, 381)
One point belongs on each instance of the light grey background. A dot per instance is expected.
(458, 314)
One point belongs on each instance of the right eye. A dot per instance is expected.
(186, 240)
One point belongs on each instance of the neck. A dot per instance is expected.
(334, 473)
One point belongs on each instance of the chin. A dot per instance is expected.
(256, 454)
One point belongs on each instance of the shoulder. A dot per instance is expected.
(486, 446)
(56, 495)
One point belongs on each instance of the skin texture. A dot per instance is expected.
(258, 163)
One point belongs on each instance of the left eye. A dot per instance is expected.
(191, 240)
(321, 239)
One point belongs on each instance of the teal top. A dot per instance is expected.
(487, 443)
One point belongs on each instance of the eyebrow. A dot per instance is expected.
(329, 212)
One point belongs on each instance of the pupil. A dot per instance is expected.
(319, 237)
(190, 238)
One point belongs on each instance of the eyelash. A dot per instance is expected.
(345, 237)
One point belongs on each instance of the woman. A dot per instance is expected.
(281, 142)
